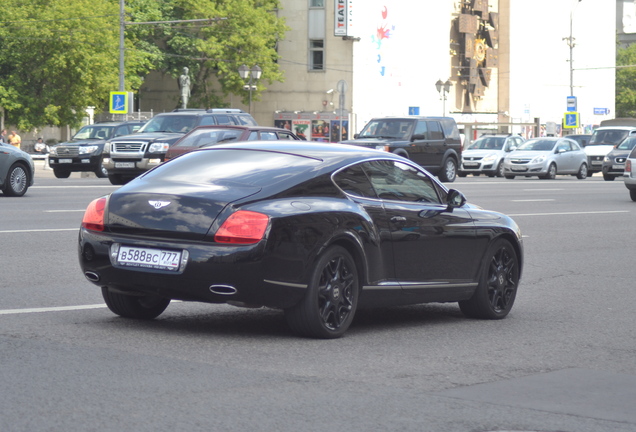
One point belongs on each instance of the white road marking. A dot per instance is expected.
(533, 200)
(63, 211)
(38, 230)
(568, 213)
(50, 309)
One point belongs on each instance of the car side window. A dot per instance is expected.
(121, 130)
(268, 136)
(253, 136)
(224, 120)
(285, 136)
(354, 181)
(420, 128)
(435, 130)
(563, 146)
(398, 181)
(207, 121)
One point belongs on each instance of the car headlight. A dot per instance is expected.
(539, 159)
(53, 151)
(87, 149)
(384, 148)
(106, 150)
(489, 158)
(158, 147)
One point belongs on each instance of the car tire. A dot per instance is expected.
(17, 181)
(500, 169)
(510, 177)
(608, 177)
(61, 173)
(582, 174)
(448, 174)
(134, 306)
(461, 174)
(327, 309)
(551, 173)
(632, 194)
(116, 179)
(101, 171)
(498, 282)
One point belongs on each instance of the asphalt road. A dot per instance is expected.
(564, 359)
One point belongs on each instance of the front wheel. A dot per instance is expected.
(61, 173)
(632, 194)
(101, 171)
(17, 181)
(551, 174)
(498, 283)
(449, 170)
(510, 177)
(500, 169)
(133, 306)
(116, 179)
(582, 174)
(327, 310)
(608, 177)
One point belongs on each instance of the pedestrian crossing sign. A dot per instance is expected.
(571, 120)
(118, 102)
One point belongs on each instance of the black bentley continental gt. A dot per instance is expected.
(317, 230)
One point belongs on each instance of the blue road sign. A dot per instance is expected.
(571, 104)
(601, 111)
(571, 120)
(118, 102)
(414, 110)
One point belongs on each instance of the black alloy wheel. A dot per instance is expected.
(498, 284)
(101, 171)
(327, 310)
(449, 170)
(17, 181)
(134, 306)
(582, 174)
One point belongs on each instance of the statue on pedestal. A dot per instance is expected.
(184, 87)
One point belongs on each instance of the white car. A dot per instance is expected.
(546, 157)
(485, 156)
(603, 140)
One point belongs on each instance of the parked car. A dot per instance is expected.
(204, 136)
(486, 154)
(135, 154)
(629, 174)
(85, 151)
(432, 142)
(604, 138)
(17, 171)
(614, 162)
(314, 229)
(581, 139)
(546, 157)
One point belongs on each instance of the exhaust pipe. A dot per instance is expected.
(92, 276)
(223, 290)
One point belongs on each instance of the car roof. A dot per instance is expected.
(241, 127)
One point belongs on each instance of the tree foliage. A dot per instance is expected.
(626, 81)
(59, 57)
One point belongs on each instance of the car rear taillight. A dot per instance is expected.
(242, 227)
(628, 166)
(94, 215)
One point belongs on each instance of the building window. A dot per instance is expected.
(317, 3)
(316, 54)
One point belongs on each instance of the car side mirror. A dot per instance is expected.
(512, 148)
(455, 199)
(356, 136)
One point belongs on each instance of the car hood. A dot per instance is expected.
(186, 212)
(520, 154)
(479, 153)
(619, 153)
(83, 142)
(150, 136)
(372, 142)
(598, 149)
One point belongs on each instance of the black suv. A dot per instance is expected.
(84, 152)
(432, 142)
(129, 156)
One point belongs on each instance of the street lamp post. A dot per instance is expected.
(443, 88)
(252, 75)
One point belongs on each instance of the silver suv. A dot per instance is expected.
(486, 155)
(129, 156)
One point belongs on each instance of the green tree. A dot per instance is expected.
(626, 81)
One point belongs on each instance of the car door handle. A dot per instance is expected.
(398, 219)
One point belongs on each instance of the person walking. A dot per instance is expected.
(14, 139)
(3, 137)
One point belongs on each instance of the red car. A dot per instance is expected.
(204, 136)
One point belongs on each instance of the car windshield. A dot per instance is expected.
(94, 132)
(609, 136)
(387, 128)
(489, 143)
(170, 123)
(627, 144)
(203, 137)
(537, 145)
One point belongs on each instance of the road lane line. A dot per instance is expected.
(568, 213)
(64, 211)
(38, 230)
(534, 200)
(50, 309)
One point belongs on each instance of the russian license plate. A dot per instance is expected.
(518, 169)
(597, 162)
(124, 164)
(66, 161)
(618, 166)
(471, 164)
(158, 259)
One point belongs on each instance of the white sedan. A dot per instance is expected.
(546, 157)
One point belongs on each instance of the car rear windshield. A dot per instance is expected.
(244, 167)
